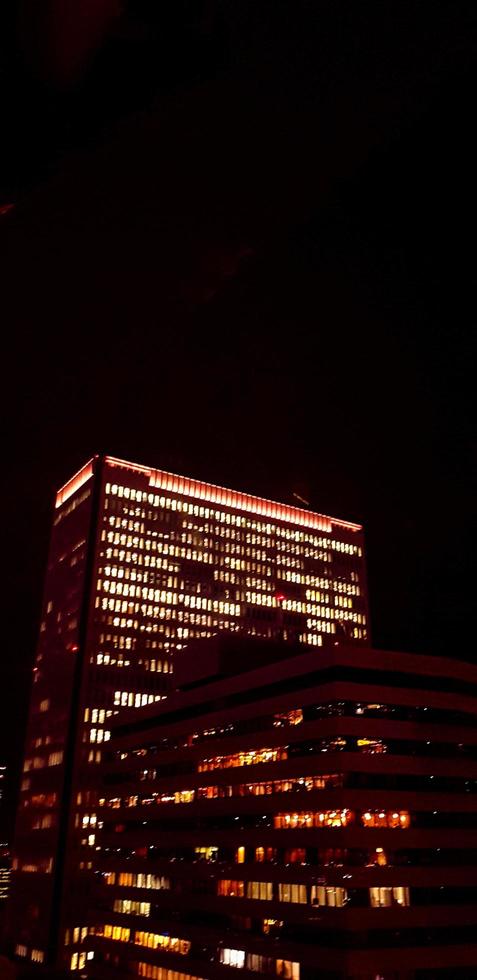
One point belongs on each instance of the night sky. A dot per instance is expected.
(244, 250)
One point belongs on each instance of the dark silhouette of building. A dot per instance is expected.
(141, 563)
(313, 818)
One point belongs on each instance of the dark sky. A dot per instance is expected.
(244, 249)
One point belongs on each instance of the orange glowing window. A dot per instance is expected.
(251, 758)
(386, 818)
(228, 887)
(322, 818)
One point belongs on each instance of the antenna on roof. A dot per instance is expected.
(301, 499)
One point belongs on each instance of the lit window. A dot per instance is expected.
(387, 896)
(233, 957)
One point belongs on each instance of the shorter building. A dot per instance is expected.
(313, 818)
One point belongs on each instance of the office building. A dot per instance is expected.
(141, 563)
(313, 818)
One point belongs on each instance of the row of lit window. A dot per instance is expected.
(148, 561)
(338, 743)
(129, 879)
(312, 639)
(211, 605)
(151, 940)
(342, 818)
(118, 571)
(76, 935)
(42, 740)
(152, 626)
(111, 661)
(291, 785)
(168, 598)
(259, 963)
(154, 940)
(87, 820)
(209, 513)
(126, 523)
(36, 955)
(135, 699)
(133, 575)
(266, 891)
(338, 586)
(322, 818)
(133, 534)
(44, 821)
(119, 642)
(128, 906)
(391, 819)
(329, 896)
(41, 799)
(99, 735)
(38, 762)
(157, 666)
(128, 557)
(78, 960)
(97, 715)
(237, 759)
(214, 605)
(42, 866)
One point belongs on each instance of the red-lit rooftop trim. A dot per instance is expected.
(210, 493)
(76, 481)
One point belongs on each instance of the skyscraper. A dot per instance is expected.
(141, 562)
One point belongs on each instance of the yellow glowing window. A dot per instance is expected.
(331, 895)
(206, 853)
(292, 893)
(154, 940)
(262, 890)
(372, 746)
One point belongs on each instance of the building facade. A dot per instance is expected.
(141, 563)
(313, 819)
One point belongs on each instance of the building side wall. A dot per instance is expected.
(42, 788)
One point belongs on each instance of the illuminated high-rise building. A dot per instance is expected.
(141, 562)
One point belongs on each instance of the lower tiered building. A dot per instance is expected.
(311, 818)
